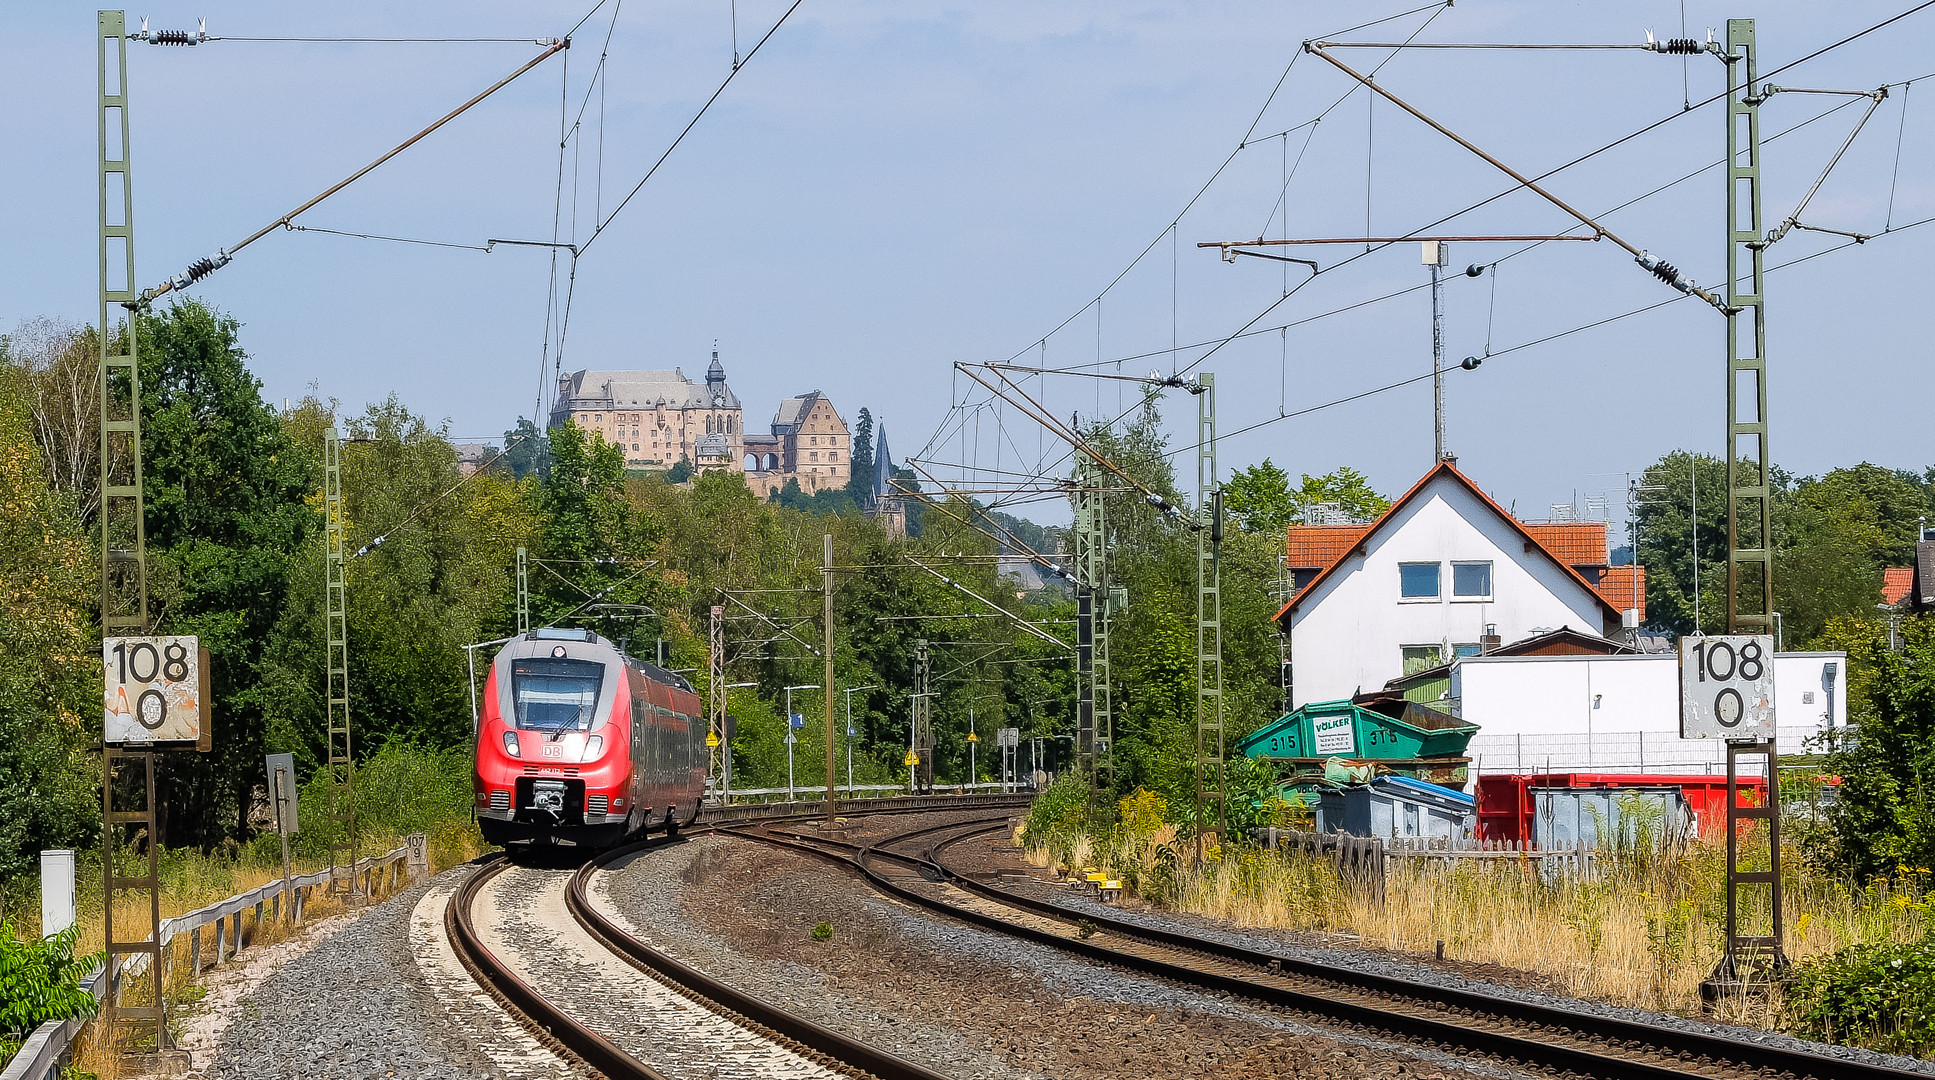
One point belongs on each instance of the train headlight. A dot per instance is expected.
(594, 746)
(510, 744)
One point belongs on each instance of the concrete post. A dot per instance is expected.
(56, 891)
(419, 855)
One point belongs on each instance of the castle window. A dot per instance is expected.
(600, 418)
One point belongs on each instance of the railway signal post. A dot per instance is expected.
(155, 689)
(1749, 958)
(826, 650)
(340, 762)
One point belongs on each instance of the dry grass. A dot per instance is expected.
(1644, 936)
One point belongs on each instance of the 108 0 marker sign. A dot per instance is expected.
(1727, 687)
(154, 690)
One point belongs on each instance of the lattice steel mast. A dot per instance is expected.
(1095, 727)
(922, 736)
(124, 537)
(720, 764)
(523, 592)
(1211, 775)
(1750, 535)
(342, 763)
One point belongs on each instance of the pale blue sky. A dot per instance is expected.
(892, 187)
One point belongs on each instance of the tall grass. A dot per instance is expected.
(1644, 934)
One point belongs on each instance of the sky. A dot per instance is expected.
(887, 189)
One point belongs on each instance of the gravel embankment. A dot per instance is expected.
(357, 1006)
(956, 999)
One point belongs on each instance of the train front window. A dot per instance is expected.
(556, 694)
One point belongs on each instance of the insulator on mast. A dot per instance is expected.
(1665, 271)
(172, 37)
(1680, 46)
(198, 270)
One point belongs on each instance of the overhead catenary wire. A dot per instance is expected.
(596, 232)
(1355, 305)
(203, 267)
(1587, 156)
(1547, 338)
(1168, 230)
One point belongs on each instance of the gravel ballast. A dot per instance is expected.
(357, 1006)
(954, 998)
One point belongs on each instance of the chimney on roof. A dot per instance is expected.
(1489, 641)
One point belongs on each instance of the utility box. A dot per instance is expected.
(1608, 817)
(1394, 807)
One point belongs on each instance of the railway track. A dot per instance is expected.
(671, 1022)
(1502, 1031)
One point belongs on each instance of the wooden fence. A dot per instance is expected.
(40, 1057)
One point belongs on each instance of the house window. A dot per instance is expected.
(1418, 580)
(1469, 649)
(1419, 657)
(1471, 579)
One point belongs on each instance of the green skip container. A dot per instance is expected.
(1326, 729)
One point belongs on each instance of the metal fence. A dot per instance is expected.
(1365, 861)
(40, 1057)
(857, 791)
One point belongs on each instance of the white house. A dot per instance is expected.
(1622, 713)
(1442, 571)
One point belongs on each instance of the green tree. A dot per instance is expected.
(1258, 499)
(1349, 489)
(226, 518)
(527, 451)
(1881, 823)
(860, 478)
(595, 542)
(680, 472)
(49, 654)
(1667, 529)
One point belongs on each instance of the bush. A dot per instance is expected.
(823, 931)
(1878, 996)
(40, 980)
(403, 789)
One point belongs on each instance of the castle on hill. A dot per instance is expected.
(660, 418)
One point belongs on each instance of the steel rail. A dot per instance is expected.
(559, 1032)
(1686, 1045)
(1619, 1048)
(552, 1026)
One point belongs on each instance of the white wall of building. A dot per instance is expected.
(1348, 633)
(1621, 713)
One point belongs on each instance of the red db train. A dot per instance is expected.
(579, 742)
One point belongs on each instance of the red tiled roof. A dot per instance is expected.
(1625, 587)
(1896, 582)
(1572, 543)
(1317, 546)
(1451, 470)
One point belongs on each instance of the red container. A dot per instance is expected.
(1505, 801)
